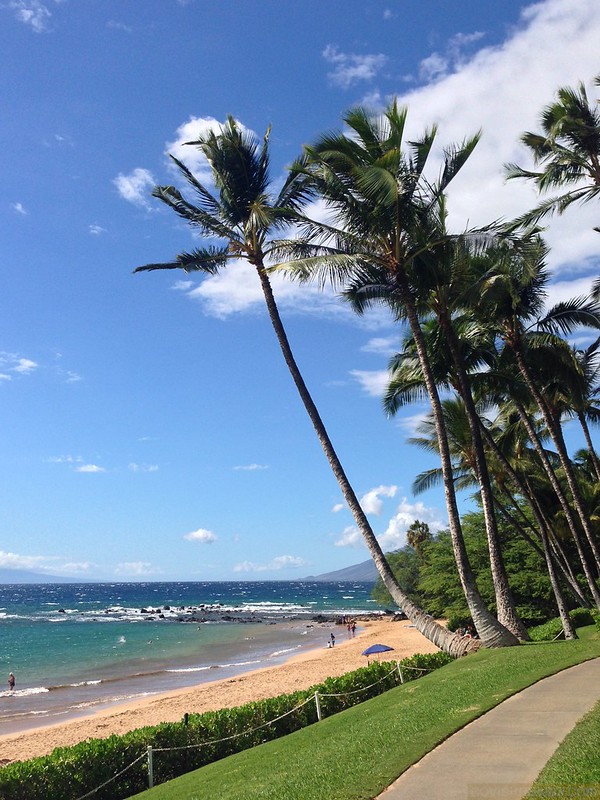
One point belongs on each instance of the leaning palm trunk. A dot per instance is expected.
(492, 632)
(588, 439)
(505, 604)
(451, 643)
(524, 488)
(563, 502)
(557, 437)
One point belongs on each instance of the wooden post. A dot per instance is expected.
(150, 768)
(318, 705)
(400, 673)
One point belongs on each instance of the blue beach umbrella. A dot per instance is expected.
(375, 649)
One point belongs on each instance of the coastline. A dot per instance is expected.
(299, 672)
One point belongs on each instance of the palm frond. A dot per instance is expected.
(209, 260)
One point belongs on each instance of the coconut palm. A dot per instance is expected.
(567, 150)
(583, 393)
(245, 217)
(386, 230)
(512, 293)
(458, 426)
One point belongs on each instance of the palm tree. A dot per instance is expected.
(466, 466)
(584, 395)
(568, 151)
(245, 217)
(512, 293)
(388, 226)
(456, 346)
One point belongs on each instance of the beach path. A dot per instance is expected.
(500, 754)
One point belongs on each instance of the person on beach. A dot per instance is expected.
(11, 681)
(332, 637)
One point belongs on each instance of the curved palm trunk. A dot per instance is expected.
(563, 502)
(450, 642)
(559, 442)
(541, 520)
(546, 553)
(588, 439)
(492, 632)
(505, 604)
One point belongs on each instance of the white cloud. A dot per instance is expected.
(338, 507)
(33, 13)
(350, 68)
(237, 289)
(96, 230)
(14, 363)
(251, 467)
(374, 382)
(135, 568)
(192, 156)
(16, 561)
(20, 209)
(410, 422)
(502, 89)
(395, 534)
(437, 65)
(25, 366)
(278, 563)
(201, 535)
(136, 187)
(90, 468)
(143, 467)
(382, 346)
(351, 537)
(371, 502)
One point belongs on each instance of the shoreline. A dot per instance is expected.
(299, 672)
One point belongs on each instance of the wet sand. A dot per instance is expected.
(300, 672)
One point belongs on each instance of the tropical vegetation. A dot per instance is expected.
(501, 372)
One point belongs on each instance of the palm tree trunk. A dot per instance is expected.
(563, 502)
(450, 642)
(593, 455)
(505, 604)
(559, 442)
(524, 488)
(492, 632)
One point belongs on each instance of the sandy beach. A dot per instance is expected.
(299, 672)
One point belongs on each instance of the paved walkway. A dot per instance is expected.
(499, 755)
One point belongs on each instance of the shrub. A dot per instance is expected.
(71, 772)
(551, 629)
(459, 619)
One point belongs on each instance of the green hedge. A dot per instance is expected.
(551, 629)
(68, 773)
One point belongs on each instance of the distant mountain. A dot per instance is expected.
(365, 572)
(23, 576)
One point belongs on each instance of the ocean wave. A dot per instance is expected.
(278, 653)
(24, 692)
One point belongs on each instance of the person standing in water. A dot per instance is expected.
(11, 681)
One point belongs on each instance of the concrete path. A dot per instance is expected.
(499, 755)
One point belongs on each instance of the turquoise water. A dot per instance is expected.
(75, 648)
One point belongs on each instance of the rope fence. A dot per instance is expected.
(316, 697)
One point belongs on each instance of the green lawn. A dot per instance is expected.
(359, 752)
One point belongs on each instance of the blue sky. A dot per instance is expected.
(149, 427)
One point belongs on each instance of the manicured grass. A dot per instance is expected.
(574, 769)
(356, 754)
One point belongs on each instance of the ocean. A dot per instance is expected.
(77, 648)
